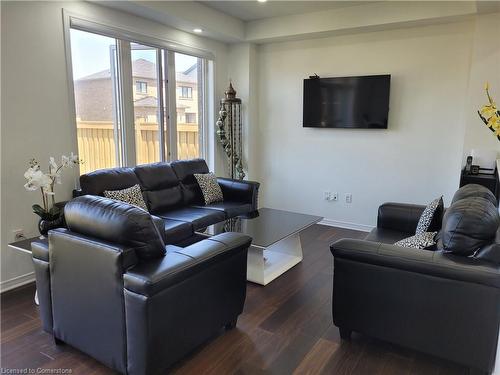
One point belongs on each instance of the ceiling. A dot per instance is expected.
(253, 10)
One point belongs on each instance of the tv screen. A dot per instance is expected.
(347, 102)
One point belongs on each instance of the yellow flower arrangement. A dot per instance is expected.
(490, 114)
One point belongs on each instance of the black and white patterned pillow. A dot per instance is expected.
(209, 187)
(131, 195)
(432, 209)
(419, 241)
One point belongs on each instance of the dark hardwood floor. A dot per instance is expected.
(286, 328)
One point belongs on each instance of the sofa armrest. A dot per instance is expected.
(400, 217)
(78, 193)
(433, 263)
(240, 191)
(178, 264)
(160, 227)
(40, 250)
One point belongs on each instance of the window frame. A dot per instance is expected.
(189, 115)
(167, 49)
(141, 84)
(189, 91)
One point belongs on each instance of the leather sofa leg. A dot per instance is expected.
(232, 324)
(58, 341)
(345, 333)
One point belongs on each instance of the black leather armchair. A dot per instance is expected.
(111, 288)
(436, 302)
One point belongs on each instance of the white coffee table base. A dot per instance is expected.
(266, 264)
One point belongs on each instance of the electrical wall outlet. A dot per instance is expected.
(19, 234)
(335, 197)
(348, 198)
(327, 195)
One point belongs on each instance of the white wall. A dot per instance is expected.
(36, 116)
(242, 70)
(415, 160)
(485, 67)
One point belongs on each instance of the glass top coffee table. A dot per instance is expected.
(276, 243)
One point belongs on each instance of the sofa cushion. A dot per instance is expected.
(231, 209)
(185, 170)
(177, 231)
(94, 183)
(474, 190)
(468, 225)
(131, 195)
(199, 217)
(160, 186)
(115, 222)
(386, 235)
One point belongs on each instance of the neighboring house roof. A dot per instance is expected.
(142, 68)
(104, 74)
(148, 101)
(151, 101)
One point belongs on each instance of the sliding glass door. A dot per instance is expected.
(135, 103)
(189, 104)
(146, 89)
(96, 105)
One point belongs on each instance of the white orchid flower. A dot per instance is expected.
(30, 186)
(74, 159)
(57, 177)
(52, 164)
(30, 171)
(36, 180)
(65, 161)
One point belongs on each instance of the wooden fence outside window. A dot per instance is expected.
(97, 148)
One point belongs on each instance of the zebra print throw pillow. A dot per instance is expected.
(419, 241)
(424, 223)
(209, 187)
(131, 195)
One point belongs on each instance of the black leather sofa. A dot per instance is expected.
(173, 196)
(444, 302)
(109, 286)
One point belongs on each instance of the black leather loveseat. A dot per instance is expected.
(173, 196)
(109, 286)
(444, 302)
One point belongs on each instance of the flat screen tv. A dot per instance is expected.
(347, 102)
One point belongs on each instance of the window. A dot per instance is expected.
(190, 118)
(186, 92)
(141, 86)
(189, 70)
(148, 145)
(94, 81)
(126, 92)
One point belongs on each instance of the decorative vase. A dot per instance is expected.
(45, 225)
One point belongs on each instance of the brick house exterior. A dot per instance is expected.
(94, 94)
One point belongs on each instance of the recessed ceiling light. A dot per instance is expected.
(198, 30)
(261, 1)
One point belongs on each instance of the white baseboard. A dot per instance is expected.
(16, 282)
(346, 225)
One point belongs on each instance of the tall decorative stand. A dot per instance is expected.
(229, 131)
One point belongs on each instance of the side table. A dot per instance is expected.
(25, 247)
(489, 181)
